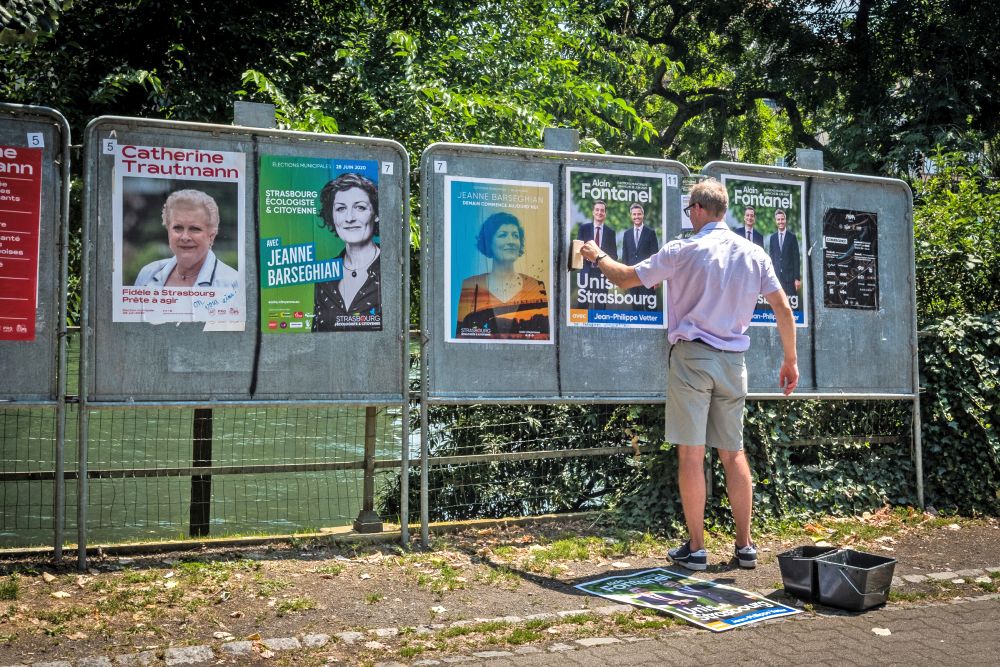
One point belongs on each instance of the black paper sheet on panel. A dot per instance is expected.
(850, 259)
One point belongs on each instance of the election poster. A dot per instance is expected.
(771, 213)
(850, 259)
(498, 268)
(707, 604)
(320, 249)
(624, 213)
(687, 183)
(178, 225)
(20, 227)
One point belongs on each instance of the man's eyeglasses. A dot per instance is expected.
(687, 209)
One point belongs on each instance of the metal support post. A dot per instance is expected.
(201, 485)
(368, 521)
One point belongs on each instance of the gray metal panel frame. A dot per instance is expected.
(31, 368)
(846, 352)
(575, 367)
(181, 364)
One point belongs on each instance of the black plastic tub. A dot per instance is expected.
(798, 570)
(854, 580)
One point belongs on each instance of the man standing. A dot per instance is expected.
(639, 243)
(604, 237)
(714, 279)
(783, 247)
(747, 231)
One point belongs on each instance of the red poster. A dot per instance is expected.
(20, 215)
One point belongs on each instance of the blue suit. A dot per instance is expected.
(757, 237)
(632, 254)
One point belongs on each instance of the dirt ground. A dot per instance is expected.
(137, 602)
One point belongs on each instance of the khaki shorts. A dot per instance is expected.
(706, 392)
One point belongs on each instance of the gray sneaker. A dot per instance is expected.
(746, 556)
(692, 560)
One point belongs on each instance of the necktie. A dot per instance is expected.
(781, 240)
(597, 236)
(749, 235)
(637, 237)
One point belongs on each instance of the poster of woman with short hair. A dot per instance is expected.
(498, 269)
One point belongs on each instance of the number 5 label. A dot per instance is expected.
(36, 140)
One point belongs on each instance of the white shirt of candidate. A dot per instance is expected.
(214, 273)
(714, 278)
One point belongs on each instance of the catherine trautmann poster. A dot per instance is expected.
(320, 249)
(498, 268)
(774, 211)
(178, 225)
(625, 213)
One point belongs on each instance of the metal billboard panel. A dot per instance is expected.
(849, 351)
(575, 363)
(199, 362)
(29, 358)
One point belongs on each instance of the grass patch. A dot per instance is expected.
(474, 629)
(268, 587)
(505, 552)
(909, 596)
(499, 576)
(135, 577)
(446, 578)
(523, 636)
(582, 618)
(60, 615)
(374, 597)
(332, 570)
(294, 605)
(214, 571)
(632, 623)
(411, 651)
(10, 587)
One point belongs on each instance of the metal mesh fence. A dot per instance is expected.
(280, 469)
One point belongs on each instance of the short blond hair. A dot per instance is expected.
(711, 195)
(191, 199)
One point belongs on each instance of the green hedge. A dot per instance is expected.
(960, 377)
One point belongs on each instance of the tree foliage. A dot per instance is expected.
(956, 223)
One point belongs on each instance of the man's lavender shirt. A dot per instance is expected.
(712, 281)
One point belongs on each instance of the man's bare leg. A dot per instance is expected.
(691, 480)
(739, 486)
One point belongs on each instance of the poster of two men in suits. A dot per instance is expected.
(624, 213)
(771, 214)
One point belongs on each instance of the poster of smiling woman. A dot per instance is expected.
(178, 226)
(498, 249)
(320, 245)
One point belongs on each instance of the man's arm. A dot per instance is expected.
(622, 275)
(788, 376)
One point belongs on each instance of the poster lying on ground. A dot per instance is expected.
(320, 249)
(850, 259)
(704, 603)
(20, 229)
(498, 269)
(625, 214)
(178, 225)
(771, 213)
